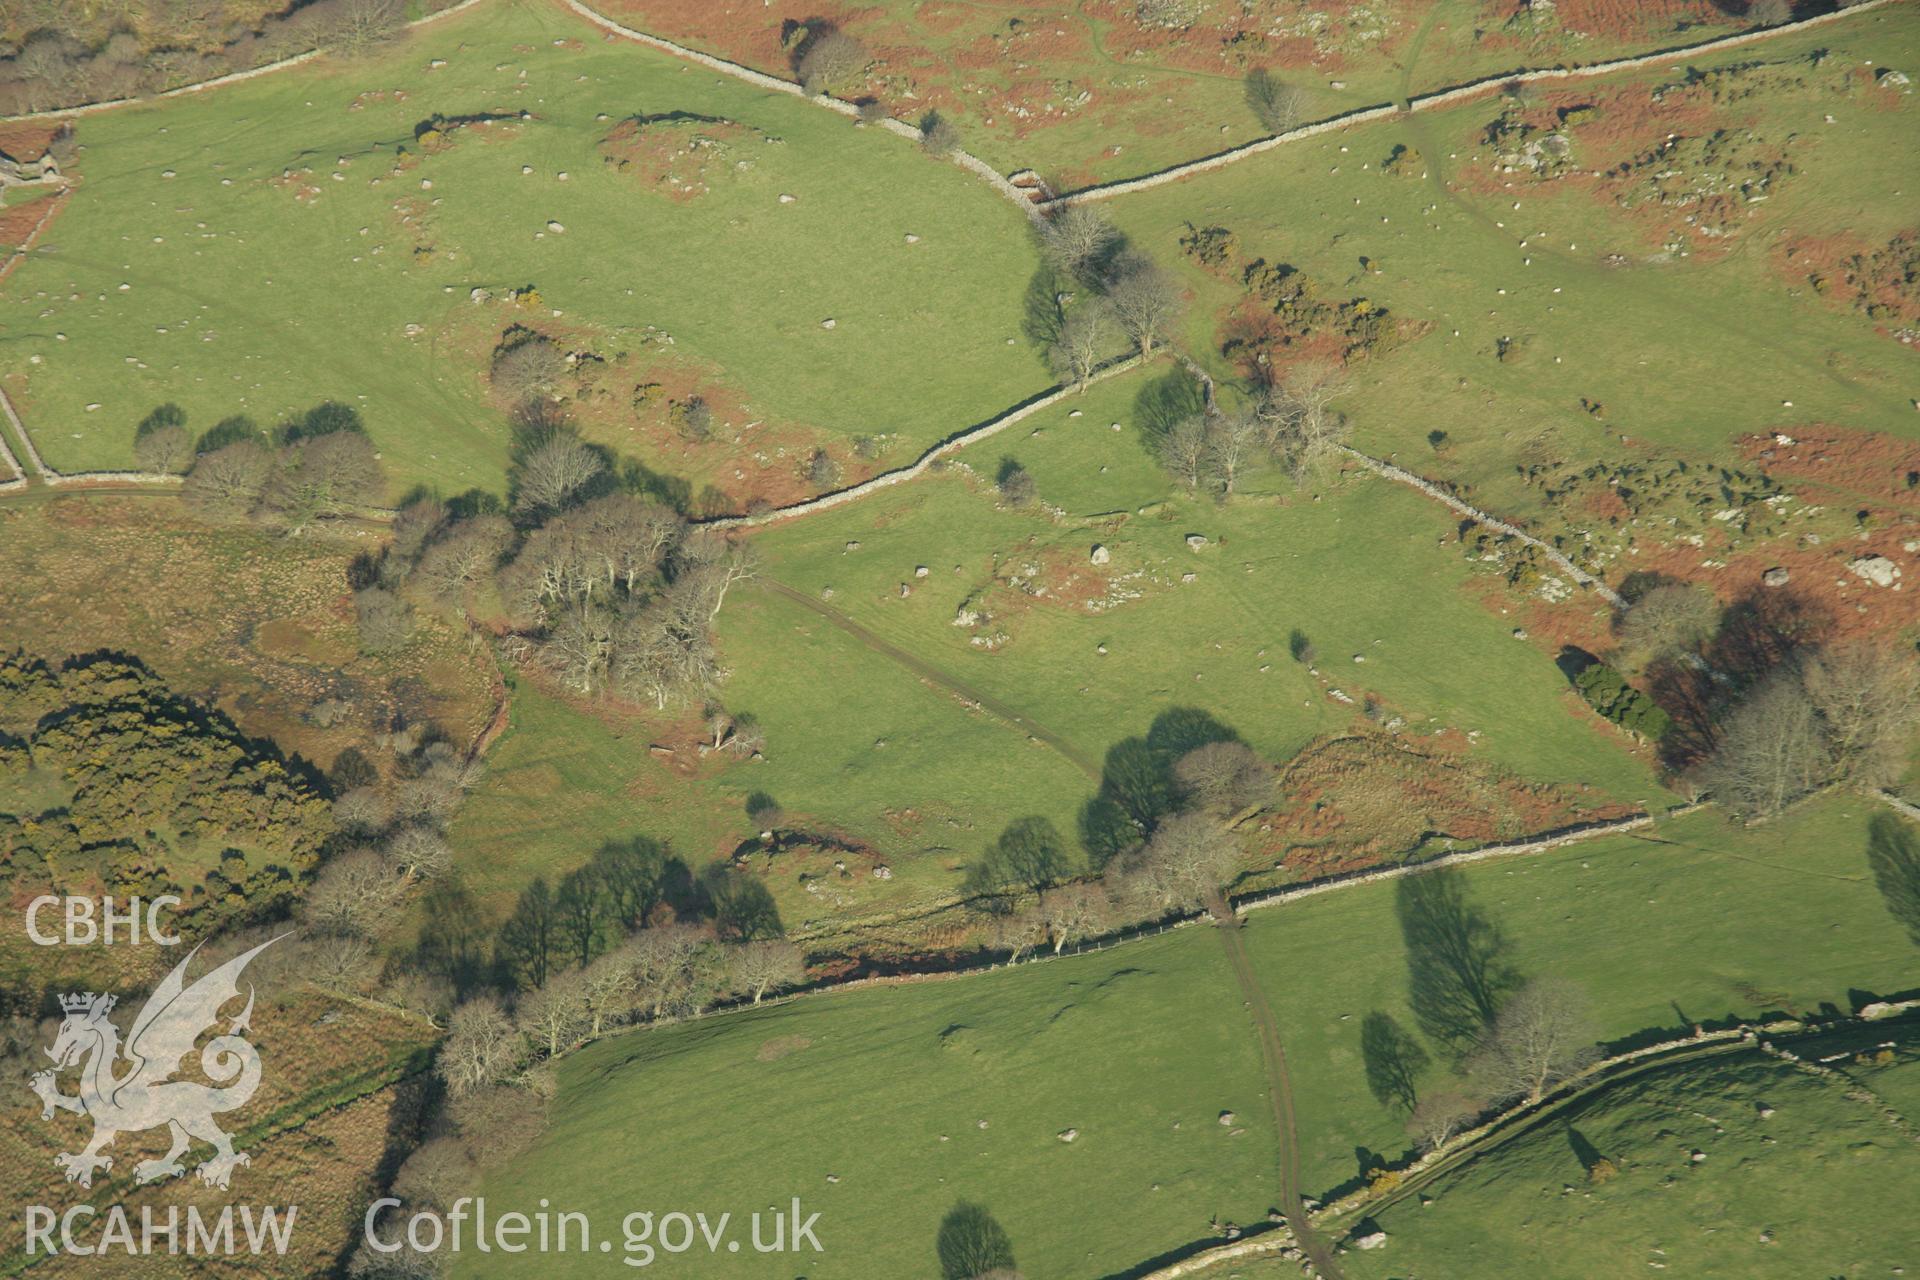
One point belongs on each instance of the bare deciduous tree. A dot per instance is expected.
(1186, 861)
(1232, 441)
(1771, 750)
(758, 967)
(553, 472)
(354, 893)
(164, 450)
(1670, 620)
(1303, 430)
(415, 526)
(1077, 237)
(228, 482)
(626, 536)
(610, 987)
(482, 1048)
(528, 369)
(1075, 911)
(1017, 932)
(579, 648)
(1183, 451)
(1542, 1035)
(1223, 777)
(321, 477)
(1277, 106)
(465, 556)
(1868, 697)
(674, 967)
(705, 564)
(1086, 335)
(1145, 300)
(832, 58)
(419, 852)
(360, 811)
(1438, 1116)
(356, 27)
(383, 619)
(556, 1016)
(343, 962)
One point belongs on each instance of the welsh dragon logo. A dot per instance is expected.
(126, 1089)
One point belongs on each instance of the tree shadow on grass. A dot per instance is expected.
(1394, 1060)
(1893, 851)
(972, 1243)
(1583, 1150)
(1030, 854)
(1137, 786)
(454, 937)
(1458, 972)
(1169, 399)
(1044, 314)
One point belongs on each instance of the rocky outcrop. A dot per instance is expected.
(25, 173)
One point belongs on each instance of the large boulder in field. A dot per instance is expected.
(1878, 570)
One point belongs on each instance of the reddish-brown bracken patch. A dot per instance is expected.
(1265, 346)
(1855, 466)
(1829, 601)
(746, 459)
(27, 140)
(1633, 19)
(1879, 281)
(1363, 799)
(22, 223)
(1655, 161)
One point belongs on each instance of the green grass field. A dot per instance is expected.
(1802, 1191)
(912, 1098)
(1355, 566)
(187, 269)
(864, 743)
(1682, 355)
(1699, 922)
(730, 1113)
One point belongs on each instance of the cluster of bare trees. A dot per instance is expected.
(1127, 296)
(1844, 715)
(1762, 714)
(1292, 422)
(389, 843)
(1541, 1036)
(69, 54)
(607, 590)
(1035, 891)
(610, 947)
(318, 467)
(642, 629)
(618, 591)
(664, 971)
